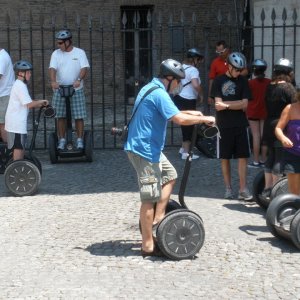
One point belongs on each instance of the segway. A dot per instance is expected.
(70, 151)
(180, 234)
(283, 218)
(23, 177)
(279, 188)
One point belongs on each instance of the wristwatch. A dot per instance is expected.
(78, 79)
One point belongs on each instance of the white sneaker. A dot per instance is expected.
(245, 195)
(181, 150)
(79, 143)
(228, 193)
(61, 144)
(185, 156)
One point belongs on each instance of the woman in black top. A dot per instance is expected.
(279, 94)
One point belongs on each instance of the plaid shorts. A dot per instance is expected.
(78, 109)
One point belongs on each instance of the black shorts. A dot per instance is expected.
(290, 163)
(233, 143)
(273, 162)
(16, 140)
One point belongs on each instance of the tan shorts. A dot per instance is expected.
(152, 176)
(3, 106)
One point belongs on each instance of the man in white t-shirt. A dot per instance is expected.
(68, 66)
(7, 78)
(17, 110)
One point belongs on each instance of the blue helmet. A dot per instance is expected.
(22, 65)
(237, 60)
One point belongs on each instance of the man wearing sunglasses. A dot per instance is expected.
(219, 65)
(68, 66)
(231, 93)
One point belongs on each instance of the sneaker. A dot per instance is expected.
(262, 164)
(61, 144)
(79, 143)
(185, 156)
(228, 193)
(266, 194)
(181, 150)
(245, 195)
(254, 164)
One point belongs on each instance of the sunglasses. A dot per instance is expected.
(221, 51)
(60, 43)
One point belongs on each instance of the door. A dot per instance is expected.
(137, 47)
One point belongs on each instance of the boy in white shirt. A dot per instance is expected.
(17, 111)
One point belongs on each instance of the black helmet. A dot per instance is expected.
(63, 35)
(194, 52)
(283, 65)
(171, 67)
(237, 60)
(259, 64)
(22, 65)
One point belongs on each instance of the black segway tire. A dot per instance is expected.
(180, 235)
(279, 188)
(35, 160)
(172, 206)
(22, 178)
(281, 208)
(88, 146)
(295, 229)
(53, 153)
(257, 188)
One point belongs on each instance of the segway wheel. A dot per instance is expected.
(258, 187)
(22, 178)
(35, 160)
(180, 235)
(295, 230)
(53, 148)
(281, 211)
(279, 188)
(88, 144)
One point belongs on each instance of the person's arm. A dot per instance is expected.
(37, 103)
(187, 118)
(193, 112)
(52, 75)
(284, 118)
(197, 87)
(231, 105)
(82, 75)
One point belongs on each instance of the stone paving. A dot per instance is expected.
(78, 238)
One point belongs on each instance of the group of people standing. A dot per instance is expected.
(68, 66)
(242, 104)
(264, 104)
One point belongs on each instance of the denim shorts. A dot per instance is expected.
(78, 108)
(152, 176)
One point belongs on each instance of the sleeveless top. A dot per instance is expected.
(293, 133)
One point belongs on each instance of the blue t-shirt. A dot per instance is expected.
(148, 128)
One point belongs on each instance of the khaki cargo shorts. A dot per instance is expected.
(152, 176)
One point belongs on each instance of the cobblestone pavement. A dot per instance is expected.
(78, 238)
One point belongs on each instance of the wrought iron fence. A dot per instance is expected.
(125, 52)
